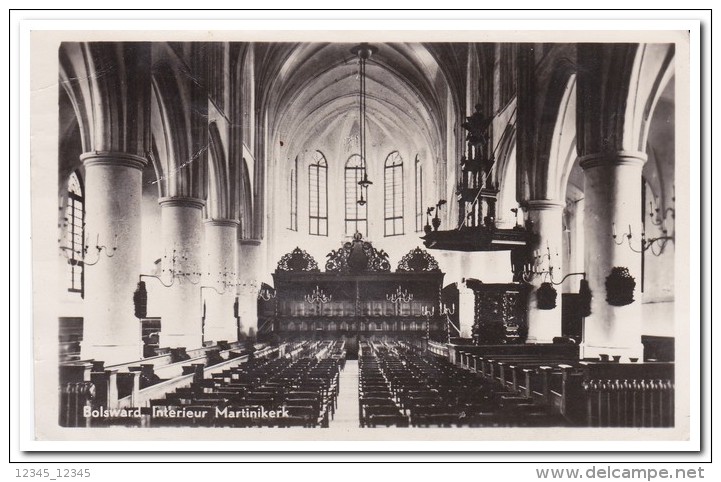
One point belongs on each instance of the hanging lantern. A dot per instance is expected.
(235, 308)
(584, 293)
(140, 300)
(619, 287)
(546, 296)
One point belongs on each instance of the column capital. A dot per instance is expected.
(111, 158)
(617, 158)
(181, 201)
(544, 205)
(249, 242)
(230, 223)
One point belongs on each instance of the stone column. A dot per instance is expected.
(249, 284)
(466, 309)
(113, 192)
(547, 219)
(612, 193)
(181, 315)
(221, 271)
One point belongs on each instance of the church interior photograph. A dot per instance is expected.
(367, 235)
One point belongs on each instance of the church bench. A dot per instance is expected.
(387, 421)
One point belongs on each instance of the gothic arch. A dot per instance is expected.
(222, 185)
(183, 148)
(245, 196)
(622, 84)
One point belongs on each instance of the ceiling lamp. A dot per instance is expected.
(364, 52)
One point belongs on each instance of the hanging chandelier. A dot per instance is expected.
(364, 52)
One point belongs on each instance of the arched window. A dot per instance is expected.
(419, 195)
(318, 195)
(356, 215)
(393, 175)
(293, 189)
(75, 221)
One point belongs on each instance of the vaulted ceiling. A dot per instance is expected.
(313, 90)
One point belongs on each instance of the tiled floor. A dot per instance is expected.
(346, 415)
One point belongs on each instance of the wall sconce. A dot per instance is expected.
(227, 279)
(140, 296)
(547, 294)
(658, 218)
(109, 252)
(266, 295)
(533, 265)
(192, 276)
(646, 244)
(447, 312)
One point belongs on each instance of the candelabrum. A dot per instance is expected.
(444, 311)
(447, 312)
(535, 266)
(657, 245)
(266, 294)
(659, 218)
(176, 272)
(400, 296)
(428, 313)
(318, 297)
(227, 279)
(109, 251)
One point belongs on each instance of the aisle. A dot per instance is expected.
(346, 416)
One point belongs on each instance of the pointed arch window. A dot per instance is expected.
(419, 195)
(393, 180)
(293, 189)
(356, 215)
(318, 195)
(74, 234)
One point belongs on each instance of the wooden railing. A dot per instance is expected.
(598, 394)
(93, 385)
(629, 395)
(440, 349)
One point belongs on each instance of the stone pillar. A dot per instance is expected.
(181, 221)
(221, 271)
(466, 309)
(612, 193)
(249, 284)
(113, 192)
(547, 219)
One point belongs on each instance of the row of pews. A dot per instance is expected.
(593, 393)
(299, 389)
(292, 384)
(377, 404)
(401, 385)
